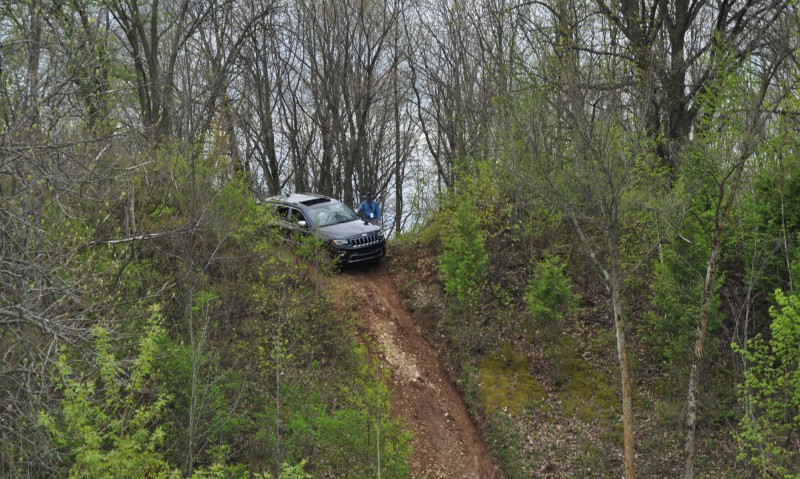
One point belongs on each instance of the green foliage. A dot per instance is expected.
(203, 393)
(463, 262)
(769, 430)
(677, 291)
(112, 425)
(347, 432)
(220, 470)
(775, 208)
(472, 213)
(360, 439)
(289, 472)
(369, 397)
(247, 220)
(479, 184)
(320, 398)
(680, 268)
(108, 426)
(549, 296)
(294, 472)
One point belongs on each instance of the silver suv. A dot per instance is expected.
(350, 239)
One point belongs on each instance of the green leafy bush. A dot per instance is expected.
(111, 426)
(463, 262)
(347, 432)
(106, 425)
(289, 472)
(201, 392)
(769, 430)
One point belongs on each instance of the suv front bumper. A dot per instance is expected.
(349, 253)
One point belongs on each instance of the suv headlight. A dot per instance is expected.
(339, 242)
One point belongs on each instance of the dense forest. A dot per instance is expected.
(609, 192)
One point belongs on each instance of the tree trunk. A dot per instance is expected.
(691, 399)
(614, 283)
(627, 394)
(325, 177)
(34, 54)
(270, 163)
(398, 161)
(614, 280)
(724, 211)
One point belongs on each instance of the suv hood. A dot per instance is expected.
(351, 229)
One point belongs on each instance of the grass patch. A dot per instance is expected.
(586, 392)
(506, 385)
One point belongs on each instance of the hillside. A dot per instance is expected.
(547, 408)
(594, 218)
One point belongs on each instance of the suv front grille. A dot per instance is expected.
(366, 240)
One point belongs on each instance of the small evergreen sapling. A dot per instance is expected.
(549, 296)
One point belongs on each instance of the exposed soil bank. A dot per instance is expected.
(446, 442)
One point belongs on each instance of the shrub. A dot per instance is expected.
(105, 425)
(769, 431)
(549, 296)
(463, 262)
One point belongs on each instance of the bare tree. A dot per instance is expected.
(52, 180)
(153, 38)
(262, 70)
(449, 102)
(675, 44)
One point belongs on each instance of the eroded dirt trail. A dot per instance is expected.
(446, 442)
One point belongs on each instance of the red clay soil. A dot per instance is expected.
(447, 444)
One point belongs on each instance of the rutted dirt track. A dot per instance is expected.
(447, 445)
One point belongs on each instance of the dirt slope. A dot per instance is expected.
(446, 443)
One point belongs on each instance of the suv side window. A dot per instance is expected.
(289, 214)
(296, 216)
(282, 212)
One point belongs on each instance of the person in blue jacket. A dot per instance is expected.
(370, 209)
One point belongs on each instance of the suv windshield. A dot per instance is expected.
(332, 214)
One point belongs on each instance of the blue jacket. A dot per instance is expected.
(370, 209)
